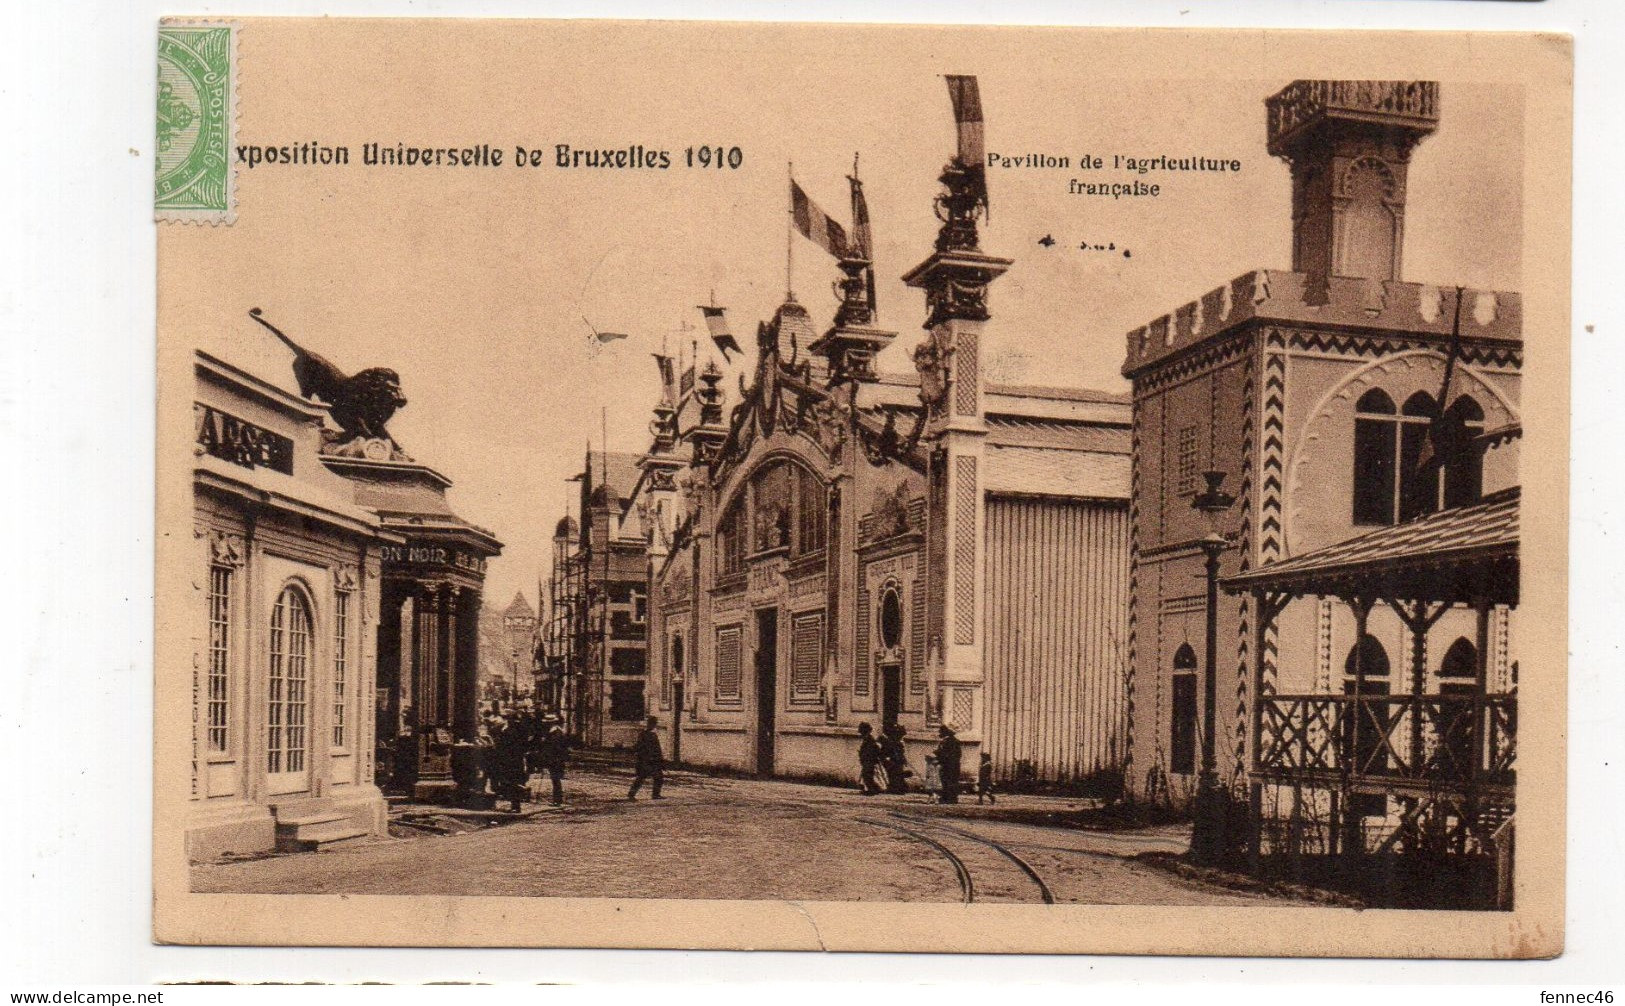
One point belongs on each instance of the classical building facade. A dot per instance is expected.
(285, 614)
(839, 546)
(1367, 426)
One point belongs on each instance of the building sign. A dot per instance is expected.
(228, 438)
(441, 556)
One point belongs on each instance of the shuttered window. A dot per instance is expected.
(806, 656)
(728, 663)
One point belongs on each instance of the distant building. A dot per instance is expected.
(515, 644)
(559, 636)
(597, 637)
(1353, 414)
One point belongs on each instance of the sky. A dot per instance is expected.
(479, 285)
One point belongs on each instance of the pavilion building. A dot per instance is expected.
(1368, 427)
(840, 546)
(284, 616)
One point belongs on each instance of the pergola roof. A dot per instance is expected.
(1464, 554)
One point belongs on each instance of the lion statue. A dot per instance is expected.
(362, 405)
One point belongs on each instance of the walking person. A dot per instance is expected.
(895, 759)
(984, 779)
(868, 759)
(948, 758)
(933, 779)
(555, 754)
(650, 761)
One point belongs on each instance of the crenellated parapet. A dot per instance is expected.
(1279, 296)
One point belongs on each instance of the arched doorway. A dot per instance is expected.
(287, 707)
(1458, 680)
(1183, 713)
(1365, 752)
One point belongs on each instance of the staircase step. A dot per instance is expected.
(307, 820)
(315, 839)
(323, 837)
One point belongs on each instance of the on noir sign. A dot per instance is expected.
(412, 554)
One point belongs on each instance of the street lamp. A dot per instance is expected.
(1207, 837)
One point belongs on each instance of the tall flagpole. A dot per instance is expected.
(789, 234)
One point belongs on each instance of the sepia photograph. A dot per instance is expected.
(868, 487)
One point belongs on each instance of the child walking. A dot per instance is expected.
(984, 779)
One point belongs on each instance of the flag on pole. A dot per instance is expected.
(814, 224)
(862, 237)
(718, 324)
(862, 240)
(668, 375)
(1444, 438)
(967, 99)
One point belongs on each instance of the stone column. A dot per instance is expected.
(426, 656)
(446, 654)
(465, 691)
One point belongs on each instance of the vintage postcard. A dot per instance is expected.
(861, 488)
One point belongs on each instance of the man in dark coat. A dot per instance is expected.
(868, 759)
(554, 754)
(948, 755)
(650, 761)
(507, 754)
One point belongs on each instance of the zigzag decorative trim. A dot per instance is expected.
(1133, 593)
(1213, 356)
(1498, 354)
(1273, 469)
(1244, 499)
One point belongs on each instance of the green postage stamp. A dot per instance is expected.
(197, 79)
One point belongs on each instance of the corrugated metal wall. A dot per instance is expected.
(1057, 623)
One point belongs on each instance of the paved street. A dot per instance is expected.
(745, 839)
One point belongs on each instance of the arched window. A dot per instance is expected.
(1368, 224)
(1418, 482)
(1374, 458)
(891, 618)
(1398, 458)
(1464, 465)
(811, 512)
(287, 705)
(783, 506)
(1182, 740)
(1460, 661)
(1365, 671)
(1458, 680)
(731, 541)
(1369, 653)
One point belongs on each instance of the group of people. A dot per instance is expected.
(522, 742)
(519, 744)
(884, 760)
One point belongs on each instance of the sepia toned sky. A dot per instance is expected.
(472, 283)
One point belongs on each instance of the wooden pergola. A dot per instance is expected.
(1380, 743)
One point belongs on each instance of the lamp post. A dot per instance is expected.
(1207, 837)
